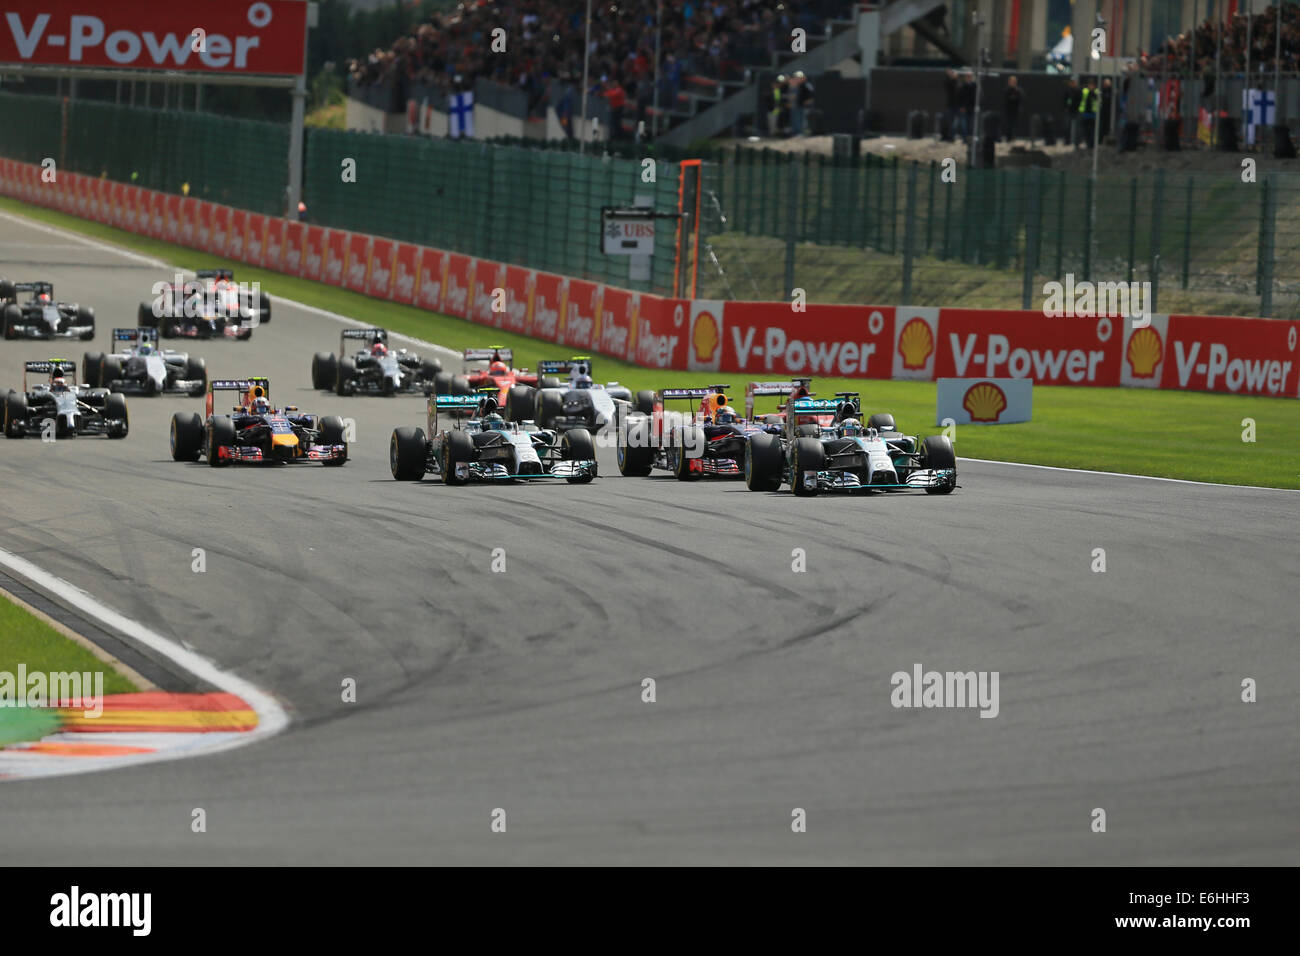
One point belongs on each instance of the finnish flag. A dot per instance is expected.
(462, 115)
(1260, 107)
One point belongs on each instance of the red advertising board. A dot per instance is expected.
(996, 343)
(273, 247)
(291, 259)
(619, 314)
(157, 214)
(217, 242)
(172, 218)
(254, 238)
(550, 298)
(206, 36)
(203, 225)
(1215, 354)
(356, 263)
(488, 307)
(336, 257)
(188, 214)
(770, 338)
(457, 275)
(313, 253)
(406, 272)
(659, 339)
(578, 320)
(379, 281)
(519, 290)
(236, 237)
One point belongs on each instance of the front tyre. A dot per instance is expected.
(763, 463)
(408, 454)
(576, 445)
(186, 436)
(807, 458)
(937, 453)
(457, 449)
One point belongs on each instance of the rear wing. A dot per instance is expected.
(141, 335)
(762, 389)
(214, 274)
(579, 364)
(368, 336)
(494, 354)
(50, 367)
(38, 287)
(258, 386)
(669, 394)
(454, 405)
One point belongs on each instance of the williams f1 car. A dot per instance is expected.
(580, 402)
(39, 316)
(486, 447)
(61, 409)
(139, 367)
(256, 432)
(373, 368)
(846, 456)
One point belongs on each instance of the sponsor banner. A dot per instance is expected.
(519, 283)
(916, 340)
(172, 218)
(431, 279)
(769, 338)
(295, 238)
(620, 312)
(203, 225)
(705, 343)
(1240, 356)
(660, 339)
(998, 343)
(273, 248)
(983, 401)
(157, 215)
(186, 221)
(379, 275)
(336, 257)
(79, 187)
(578, 317)
(1144, 353)
(239, 37)
(313, 253)
(254, 238)
(458, 273)
(550, 299)
(356, 266)
(237, 235)
(487, 308)
(406, 272)
(220, 230)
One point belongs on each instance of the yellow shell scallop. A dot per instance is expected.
(985, 402)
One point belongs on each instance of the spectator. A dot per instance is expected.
(804, 94)
(1087, 112)
(1107, 99)
(616, 97)
(951, 86)
(1072, 97)
(966, 105)
(1011, 98)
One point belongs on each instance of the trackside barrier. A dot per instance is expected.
(1201, 353)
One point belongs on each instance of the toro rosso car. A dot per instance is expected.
(579, 402)
(846, 455)
(373, 367)
(256, 432)
(139, 367)
(38, 316)
(486, 447)
(210, 306)
(62, 409)
(709, 442)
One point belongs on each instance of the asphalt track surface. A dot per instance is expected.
(522, 690)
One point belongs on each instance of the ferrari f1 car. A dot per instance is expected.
(846, 456)
(711, 441)
(373, 368)
(139, 367)
(60, 408)
(486, 447)
(209, 306)
(493, 368)
(38, 316)
(256, 432)
(579, 402)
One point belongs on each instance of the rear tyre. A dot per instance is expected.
(937, 452)
(86, 316)
(550, 381)
(15, 413)
(806, 456)
(145, 317)
(634, 452)
(763, 463)
(429, 368)
(115, 407)
(333, 432)
(186, 436)
(645, 402)
(264, 308)
(550, 406)
(110, 370)
(90, 368)
(882, 421)
(408, 454)
(520, 403)
(685, 439)
(807, 431)
(457, 448)
(460, 386)
(576, 445)
(221, 431)
(344, 373)
(13, 317)
(196, 370)
(322, 370)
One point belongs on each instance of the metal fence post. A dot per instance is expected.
(821, 197)
(909, 233)
(1157, 208)
(1187, 234)
(1132, 226)
(1060, 223)
(791, 225)
(1267, 225)
(1087, 229)
(929, 215)
(1032, 227)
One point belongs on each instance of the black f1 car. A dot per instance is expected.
(709, 441)
(209, 306)
(486, 447)
(39, 316)
(59, 409)
(141, 368)
(373, 368)
(257, 432)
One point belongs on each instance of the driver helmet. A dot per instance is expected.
(725, 415)
(43, 297)
(145, 349)
(58, 384)
(582, 381)
(851, 428)
(261, 406)
(498, 368)
(493, 420)
(379, 349)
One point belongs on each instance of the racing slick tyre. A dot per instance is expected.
(807, 431)
(645, 402)
(520, 403)
(681, 451)
(196, 369)
(322, 370)
(460, 386)
(145, 317)
(186, 436)
(264, 308)
(344, 373)
(442, 383)
(634, 452)
(763, 463)
(15, 413)
(429, 368)
(408, 454)
(13, 317)
(221, 431)
(86, 316)
(576, 445)
(549, 407)
(115, 407)
(7, 290)
(110, 370)
(457, 448)
(806, 455)
(882, 421)
(549, 381)
(937, 452)
(90, 368)
(333, 432)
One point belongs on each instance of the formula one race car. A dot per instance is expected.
(486, 447)
(846, 455)
(39, 316)
(139, 367)
(257, 432)
(374, 368)
(61, 409)
(500, 375)
(579, 403)
(209, 306)
(709, 442)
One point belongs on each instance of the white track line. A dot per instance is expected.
(271, 717)
(1123, 474)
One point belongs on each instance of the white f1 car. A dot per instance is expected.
(139, 367)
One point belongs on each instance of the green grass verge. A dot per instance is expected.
(26, 639)
(1189, 435)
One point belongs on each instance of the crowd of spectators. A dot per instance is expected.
(543, 55)
(1177, 54)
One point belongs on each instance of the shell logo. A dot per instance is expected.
(984, 401)
(1144, 352)
(704, 337)
(915, 343)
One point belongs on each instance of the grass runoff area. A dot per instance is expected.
(1189, 435)
(26, 639)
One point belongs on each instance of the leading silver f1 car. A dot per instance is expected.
(39, 316)
(62, 409)
(139, 367)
